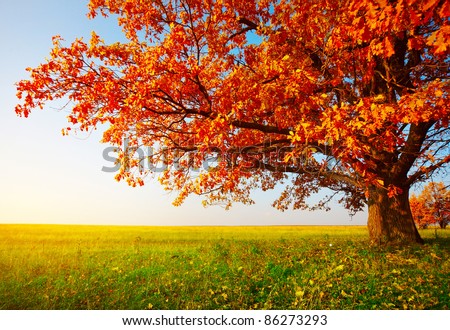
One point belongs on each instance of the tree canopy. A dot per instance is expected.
(431, 206)
(348, 95)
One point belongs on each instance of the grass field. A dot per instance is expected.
(107, 267)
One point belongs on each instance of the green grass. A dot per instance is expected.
(107, 267)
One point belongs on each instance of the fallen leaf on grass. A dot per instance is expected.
(435, 256)
(339, 268)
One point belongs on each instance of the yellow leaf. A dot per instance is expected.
(435, 256)
(398, 287)
(379, 98)
(438, 93)
(339, 268)
(286, 159)
(299, 293)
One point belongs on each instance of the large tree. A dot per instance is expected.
(348, 95)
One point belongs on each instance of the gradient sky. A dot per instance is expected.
(48, 178)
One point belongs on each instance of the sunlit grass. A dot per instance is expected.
(310, 267)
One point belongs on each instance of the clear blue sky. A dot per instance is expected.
(48, 178)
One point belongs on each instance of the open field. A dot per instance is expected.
(109, 267)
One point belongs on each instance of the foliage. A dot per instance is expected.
(348, 95)
(89, 267)
(432, 205)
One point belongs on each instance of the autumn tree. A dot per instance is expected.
(432, 205)
(420, 213)
(352, 96)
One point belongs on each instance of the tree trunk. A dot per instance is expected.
(390, 219)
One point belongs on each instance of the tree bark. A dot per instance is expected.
(390, 218)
